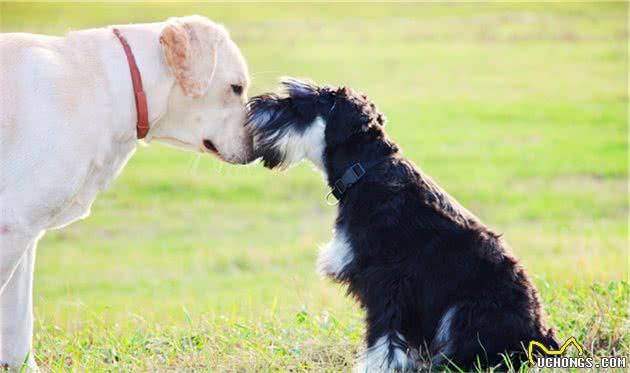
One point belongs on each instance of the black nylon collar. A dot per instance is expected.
(349, 178)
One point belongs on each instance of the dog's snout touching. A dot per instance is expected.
(250, 154)
(210, 146)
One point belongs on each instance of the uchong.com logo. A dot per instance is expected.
(555, 359)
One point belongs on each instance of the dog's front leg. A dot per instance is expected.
(389, 353)
(387, 349)
(16, 316)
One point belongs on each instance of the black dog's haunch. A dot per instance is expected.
(426, 270)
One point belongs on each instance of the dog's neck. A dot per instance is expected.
(368, 149)
(156, 77)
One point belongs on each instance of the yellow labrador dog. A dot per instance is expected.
(71, 112)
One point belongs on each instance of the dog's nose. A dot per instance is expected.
(210, 146)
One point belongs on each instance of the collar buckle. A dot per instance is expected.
(340, 187)
(351, 176)
(358, 170)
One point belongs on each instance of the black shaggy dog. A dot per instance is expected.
(426, 270)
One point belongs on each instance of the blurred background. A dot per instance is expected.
(518, 110)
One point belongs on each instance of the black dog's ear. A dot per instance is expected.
(299, 87)
(352, 115)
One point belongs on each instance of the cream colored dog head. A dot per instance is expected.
(206, 108)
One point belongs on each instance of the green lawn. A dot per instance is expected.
(518, 110)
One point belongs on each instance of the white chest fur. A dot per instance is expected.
(335, 256)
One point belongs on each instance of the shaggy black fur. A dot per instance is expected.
(416, 252)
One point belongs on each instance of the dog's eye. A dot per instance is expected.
(237, 89)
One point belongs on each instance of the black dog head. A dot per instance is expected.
(321, 124)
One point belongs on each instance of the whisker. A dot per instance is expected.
(265, 72)
(195, 164)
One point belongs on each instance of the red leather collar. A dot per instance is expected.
(142, 111)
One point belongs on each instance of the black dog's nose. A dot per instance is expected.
(210, 146)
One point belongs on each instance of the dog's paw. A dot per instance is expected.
(384, 357)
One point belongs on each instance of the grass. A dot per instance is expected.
(518, 110)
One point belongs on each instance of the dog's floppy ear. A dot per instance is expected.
(190, 48)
